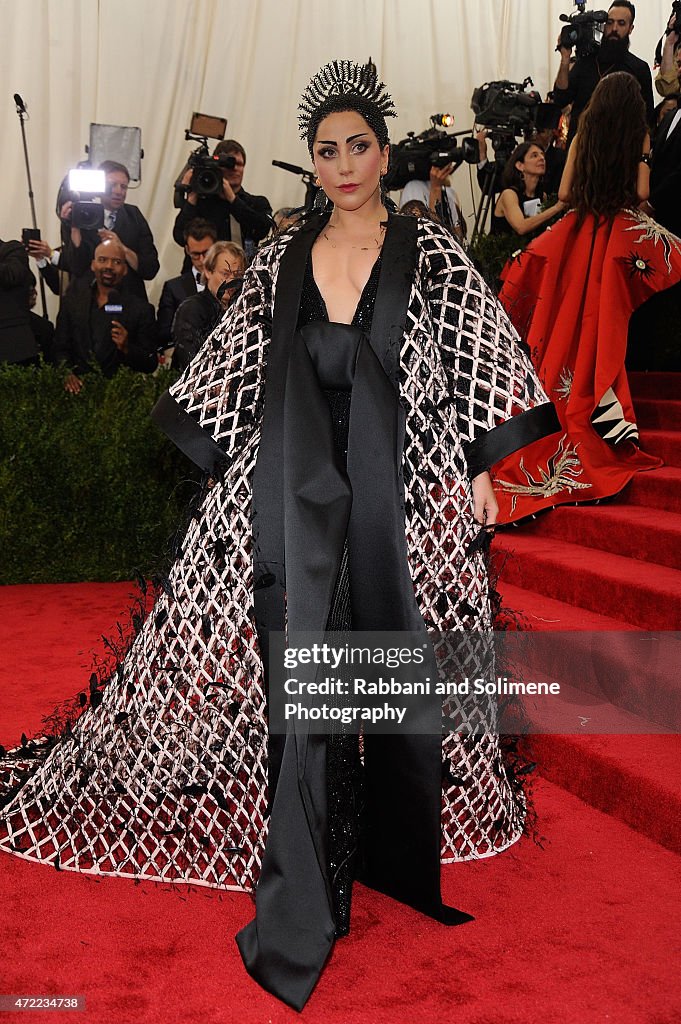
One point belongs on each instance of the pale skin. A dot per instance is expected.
(349, 163)
(508, 204)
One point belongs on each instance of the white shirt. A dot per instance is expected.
(421, 190)
(675, 121)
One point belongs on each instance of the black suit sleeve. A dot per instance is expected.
(189, 330)
(166, 311)
(14, 269)
(142, 243)
(253, 215)
(62, 349)
(186, 213)
(142, 339)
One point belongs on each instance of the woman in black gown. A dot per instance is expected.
(347, 409)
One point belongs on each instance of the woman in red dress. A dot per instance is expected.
(570, 295)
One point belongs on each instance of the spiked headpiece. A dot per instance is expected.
(344, 85)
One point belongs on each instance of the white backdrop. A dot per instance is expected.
(152, 62)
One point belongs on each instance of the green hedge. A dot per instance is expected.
(89, 488)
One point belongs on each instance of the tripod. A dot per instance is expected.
(485, 201)
(23, 114)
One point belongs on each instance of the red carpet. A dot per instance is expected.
(610, 568)
(582, 930)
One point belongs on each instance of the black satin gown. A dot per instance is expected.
(329, 521)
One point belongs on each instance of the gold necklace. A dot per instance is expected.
(362, 248)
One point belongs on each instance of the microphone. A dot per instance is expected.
(292, 168)
(114, 304)
(21, 106)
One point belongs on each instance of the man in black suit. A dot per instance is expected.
(17, 343)
(124, 224)
(664, 203)
(199, 237)
(236, 215)
(576, 84)
(99, 322)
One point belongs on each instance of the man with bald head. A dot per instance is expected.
(100, 324)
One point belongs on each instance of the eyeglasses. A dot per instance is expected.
(195, 256)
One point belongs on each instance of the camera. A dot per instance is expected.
(505, 106)
(583, 30)
(206, 179)
(83, 187)
(412, 158)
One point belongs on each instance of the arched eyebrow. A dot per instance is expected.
(332, 142)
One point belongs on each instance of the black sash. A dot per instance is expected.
(305, 505)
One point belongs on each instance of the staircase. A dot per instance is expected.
(615, 568)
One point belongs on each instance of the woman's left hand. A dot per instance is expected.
(485, 506)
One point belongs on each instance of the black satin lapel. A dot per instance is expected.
(398, 266)
(403, 772)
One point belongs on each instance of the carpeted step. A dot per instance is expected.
(632, 530)
(658, 414)
(657, 488)
(599, 655)
(608, 584)
(525, 609)
(655, 385)
(636, 779)
(665, 444)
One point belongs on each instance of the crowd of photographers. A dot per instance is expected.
(102, 268)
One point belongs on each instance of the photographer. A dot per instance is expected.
(124, 224)
(667, 78)
(517, 208)
(17, 344)
(576, 85)
(236, 215)
(439, 198)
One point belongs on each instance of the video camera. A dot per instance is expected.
(412, 158)
(505, 106)
(84, 187)
(206, 179)
(584, 30)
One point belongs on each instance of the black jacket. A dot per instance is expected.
(175, 291)
(73, 341)
(17, 342)
(585, 76)
(665, 176)
(253, 214)
(194, 320)
(133, 231)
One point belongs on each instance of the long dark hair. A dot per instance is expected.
(609, 145)
(512, 178)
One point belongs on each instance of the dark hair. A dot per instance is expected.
(339, 105)
(229, 146)
(609, 144)
(108, 166)
(629, 7)
(199, 229)
(512, 178)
